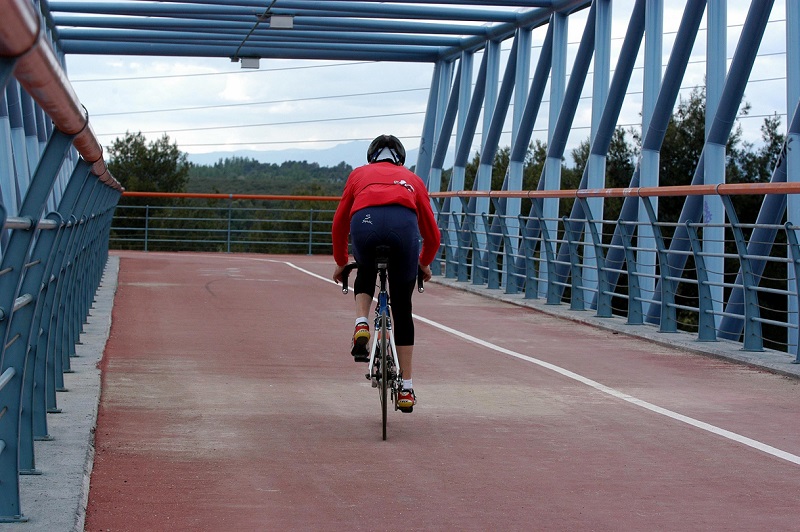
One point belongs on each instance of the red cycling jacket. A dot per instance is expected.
(385, 184)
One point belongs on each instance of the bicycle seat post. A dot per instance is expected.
(382, 263)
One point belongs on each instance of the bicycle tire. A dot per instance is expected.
(384, 387)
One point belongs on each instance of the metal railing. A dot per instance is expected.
(54, 243)
(225, 223)
(590, 264)
(611, 268)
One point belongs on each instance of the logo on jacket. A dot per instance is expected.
(405, 184)
(367, 219)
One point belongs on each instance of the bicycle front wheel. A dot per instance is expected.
(384, 387)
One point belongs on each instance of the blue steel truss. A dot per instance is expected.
(44, 184)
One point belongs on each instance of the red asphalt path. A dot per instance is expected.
(230, 402)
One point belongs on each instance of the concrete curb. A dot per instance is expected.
(56, 499)
(769, 360)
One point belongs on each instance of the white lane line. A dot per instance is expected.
(755, 444)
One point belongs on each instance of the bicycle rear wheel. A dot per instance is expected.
(384, 386)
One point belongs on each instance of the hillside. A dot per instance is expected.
(241, 175)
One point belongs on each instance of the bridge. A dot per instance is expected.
(544, 402)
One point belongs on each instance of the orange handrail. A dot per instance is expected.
(259, 197)
(38, 71)
(726, 189)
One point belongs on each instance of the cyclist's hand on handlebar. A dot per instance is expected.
(337, 274)
(426, 272)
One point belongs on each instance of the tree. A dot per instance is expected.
(757, 165)
(620, 165)
(682, 146)
(155, 167)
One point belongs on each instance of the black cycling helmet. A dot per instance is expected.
(398, 152)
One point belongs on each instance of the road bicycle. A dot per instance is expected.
(384, 368)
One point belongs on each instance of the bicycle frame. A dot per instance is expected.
(383, 310)
(387, 374)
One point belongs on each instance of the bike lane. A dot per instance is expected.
(230, 402)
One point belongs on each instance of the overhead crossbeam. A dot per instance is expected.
(344, 30)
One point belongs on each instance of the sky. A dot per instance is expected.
(213, 105)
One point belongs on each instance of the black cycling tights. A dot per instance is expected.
(394, 226)
(400, 299)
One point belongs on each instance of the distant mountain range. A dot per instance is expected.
(352, 153)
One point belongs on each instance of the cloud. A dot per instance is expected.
(211, 104)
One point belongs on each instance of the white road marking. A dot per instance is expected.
(755, 444)
(621, 395)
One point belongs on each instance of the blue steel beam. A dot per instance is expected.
(445, 133)
(483, 180)
(572, 94)
(287, 7)
(301, 24)
(427, 141)
(534, 101)
(335, 19)
(596, 165)
(437, 132)
(472, 115)
(513, 180)
(464, 97)
(762, 238)
(724, 119)
(494, 115)
(21, 165)
(657, 125)
(713, 212)
(268, 37)
(793, 158)
(448, 121)
(551, 173)
(471, 3)
(492, 137)
(610, 115)
(289, 51)
(654, 29)
(563, 105)
(519, 148)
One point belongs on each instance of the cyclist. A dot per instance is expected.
(384, 203)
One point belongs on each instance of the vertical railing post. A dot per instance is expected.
(576, 300)
(450, 243)
(492, 256)
(706, 328)
(546, 250)
(509, 251)
(603, 286)
(310, 230)
(531, 287)
(753, 339)
(635, 312)
(146, 225)
(669, 320)
(230, 221)
(794, 254)
(464, 240)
